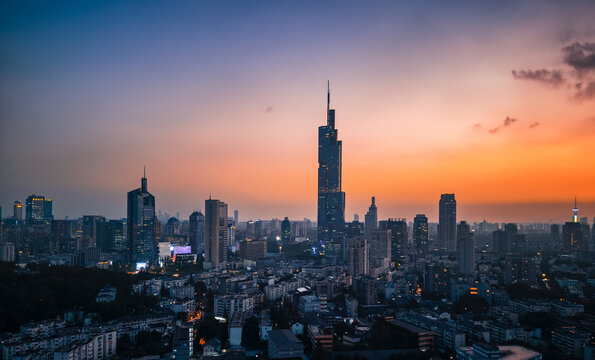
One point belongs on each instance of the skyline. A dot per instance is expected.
(81, 113)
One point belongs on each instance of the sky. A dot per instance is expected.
(492, 101)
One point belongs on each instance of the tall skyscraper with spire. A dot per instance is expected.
(141, 224)
(331, 199)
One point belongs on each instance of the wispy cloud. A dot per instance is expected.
(506, 123)
(534, 125)
(552, 77)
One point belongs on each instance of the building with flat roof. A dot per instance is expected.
(570, 341)
(283, 344)
(425, 338)
(483, 351)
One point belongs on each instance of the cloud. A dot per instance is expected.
(585, 92)
(269, 109)
(534, 125)
(580, 56)
(552, 77)
(477, 126)
(507, 122)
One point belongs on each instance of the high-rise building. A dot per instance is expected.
(285, 232)
(172, 227)
(420, 232)
(447, 222)
(215, 232)
(17, 210)
(465, 248)
(555, 234)
(573, 237)
(398, 235)
(380, 250)
(91, 224)
(371, 217)
(196, 228)
(236, 218)
(253, 249)
(358, 256)
(141, 225)
(331, 198)
(38, 210)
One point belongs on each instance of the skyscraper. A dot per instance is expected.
(38, 210)
(331, 199)
(285, 232)
(215, 232)
(371, 217)
(398, 235)
(358, 256)
(236, 218)
(447, 222)
(466, 249)
(141, 225)
(196, 227)
(420, 232)
(574, 238)
(17, 210)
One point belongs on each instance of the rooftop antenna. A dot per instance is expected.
(328, 96)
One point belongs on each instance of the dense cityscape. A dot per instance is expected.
(153, 285)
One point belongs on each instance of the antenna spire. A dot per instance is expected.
(328, 95)
(144, 171)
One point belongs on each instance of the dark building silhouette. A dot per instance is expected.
(420, 232)
(215, 232)
(447, 222)
(353, 229)
(555, 234)
(285, 232)
(172, 227)
(399, 237)
(331, 199)
(141, 225)
(196, 228)
(574, 238)
(465, 248)
(252, 249)
(17, 210)
(38, 210)
(91, 224)
(371, 217)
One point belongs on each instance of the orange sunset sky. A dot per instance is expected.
(225, 99)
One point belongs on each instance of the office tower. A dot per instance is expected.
(555, 234)
(364, 288)
(258, 230)
(447, 222)
(141, 225)
(91, 225)
(197, 232)
(573, 237)
(236, 218)
(38, 210)
(172, 227)
(399, 237)
(331, 199)
(499, 241)
(215, 232)
(250, 229)
(358, 256)
(356, 217)
(519, 269)
(251, 249)
(285, 232)
(380, 250)
(420, 232)
(353, 229)
(17, 210)
(114, 235)
(465, 248)
(371, 217)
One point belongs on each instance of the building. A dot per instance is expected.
(38, 210)
(447, 222)
(483, 351)
(91, 231)
(285, 232)
(371, 217)
(7, 252)
(172, 226)
(331, 198)
(379, 241)
(215, 232)
(571, 341)
(309, 304)
(358, 256)
(17, 210)
(364, 288)
(251, 249)
(283, 344)
(573, 237)
(466, 249)
(424, 338)
(399, 237)
(141, 225)
(183, 344)
(420, 232)
(196, 227)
